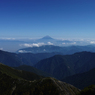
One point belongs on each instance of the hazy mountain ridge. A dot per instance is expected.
(31, 59)
(69, 64)
(61, 66)
(82, 80)
(61, 50)
(10, 59)
(15, 60)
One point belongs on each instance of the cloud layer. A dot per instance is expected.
(1, 48)
(92, 42)
(36, 44)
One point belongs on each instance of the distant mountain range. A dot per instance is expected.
(58, 66)
(12, 45)
(10, 59)
(15, 60)
(57, 49)
(46, 39)
(61, 66)
(31, 59)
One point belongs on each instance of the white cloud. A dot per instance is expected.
(92, 42)
(69, 43)
(35, 44)
(7, 38)
(44, 50)
(1, 48)
(73, 43)
(49, 43)
(21, 51)
(32, 45)
(64, 43)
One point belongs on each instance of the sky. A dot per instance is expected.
(56, 18)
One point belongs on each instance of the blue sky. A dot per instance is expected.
(56, 18)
